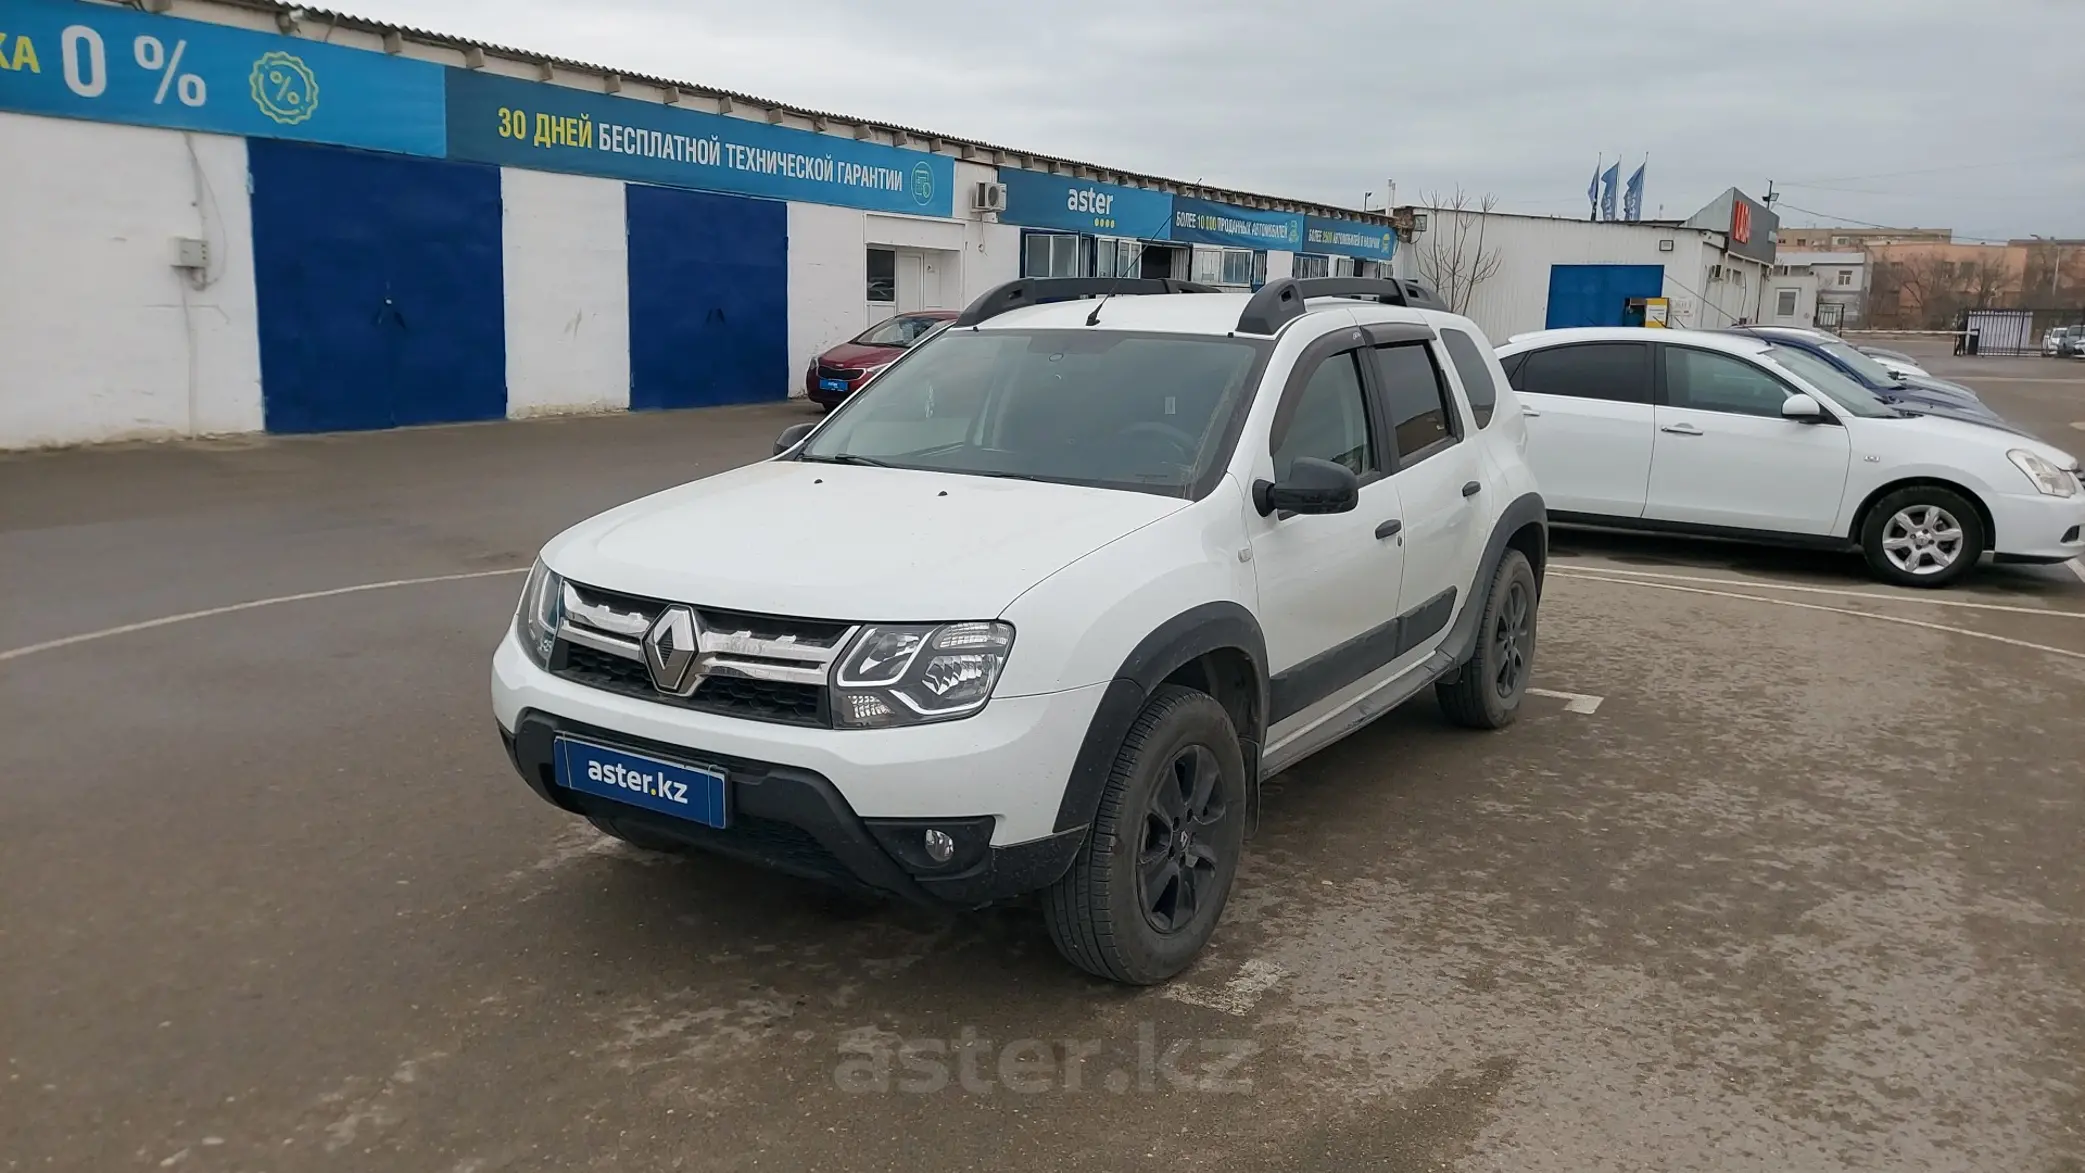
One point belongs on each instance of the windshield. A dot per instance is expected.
(1829, 379)
(1131, 411)
(1867, 369)
(900, 331)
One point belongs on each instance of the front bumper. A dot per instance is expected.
(2033, 527)
(833, 804)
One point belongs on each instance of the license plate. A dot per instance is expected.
(671, 788)
(832, 384)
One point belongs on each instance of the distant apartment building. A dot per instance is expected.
(1856, 239)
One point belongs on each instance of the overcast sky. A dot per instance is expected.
(1938, 113)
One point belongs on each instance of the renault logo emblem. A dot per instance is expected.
(669, 651)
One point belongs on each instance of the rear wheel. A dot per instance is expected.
(1486, 694)
(1145, 892)
(1923, 536)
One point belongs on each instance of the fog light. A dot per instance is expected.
(939, 846)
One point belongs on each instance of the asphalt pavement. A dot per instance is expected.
(1784, 874)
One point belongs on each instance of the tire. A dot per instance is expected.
(1923, 536)
(1102, 915)
(1487, 693)
(634, 835)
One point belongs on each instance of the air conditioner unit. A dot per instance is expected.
(988, 197)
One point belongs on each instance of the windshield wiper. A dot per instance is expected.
(851, 458)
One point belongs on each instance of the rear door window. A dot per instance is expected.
(1619, 372)
(1475, 373)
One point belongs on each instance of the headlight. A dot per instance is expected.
(2051, 480)
(542, 607)
(913, 674)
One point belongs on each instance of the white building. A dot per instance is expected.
(237, 215)
(1827, 290)
(1513, 274)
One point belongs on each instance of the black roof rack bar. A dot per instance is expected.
(1039, 290)
(1281, 301)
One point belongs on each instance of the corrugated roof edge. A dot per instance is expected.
(1010, 156)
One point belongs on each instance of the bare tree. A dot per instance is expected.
(1452, 258)
(1988, 280)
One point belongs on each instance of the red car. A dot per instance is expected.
(841, 371)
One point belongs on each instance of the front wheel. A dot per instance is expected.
(1486, 694)
(1144, 894)
(1923, 536)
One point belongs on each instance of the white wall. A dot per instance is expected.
(828, 268)
(828, 273)
(1282, 264)
(104, 338)
(567, 274)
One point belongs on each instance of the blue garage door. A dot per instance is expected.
(380, 288)
(709, 298)
(1598, 295)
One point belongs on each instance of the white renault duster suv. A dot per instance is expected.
(1036, 611)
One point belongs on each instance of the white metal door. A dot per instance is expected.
(1725, 456)
(1588, 411)
(911, 282)
(1328, 581)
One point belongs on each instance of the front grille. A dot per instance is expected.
(848, 373)
(760, 667)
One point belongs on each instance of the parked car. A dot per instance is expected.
(1036, 611)
(842, 370)
(1913, 392)
(2061, 341)
(1727, 435)
(1896, 362)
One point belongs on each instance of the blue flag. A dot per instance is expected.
(1592, 193)
(1632, 196)
(1609, 181)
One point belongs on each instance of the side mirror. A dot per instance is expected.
(1314, 486)
(793, 435)
(1802, 409)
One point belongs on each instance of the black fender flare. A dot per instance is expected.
(1194, 632)
(1523, 510)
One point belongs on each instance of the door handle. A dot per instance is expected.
(1681, 429)
(1530, 413)
(1472, 489)
(1389, 528)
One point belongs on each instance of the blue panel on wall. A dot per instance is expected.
(1598, 295)
(379, 282)
(709, 298)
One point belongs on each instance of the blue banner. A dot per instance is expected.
(555, 128)
(1036, 199)
(1203, 222)
(1349, 238)
(108, 64)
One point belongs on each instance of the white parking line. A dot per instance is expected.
(1574, 702)
(1238, 995)
(1666, 586)
(1926, 599)
(167, 620)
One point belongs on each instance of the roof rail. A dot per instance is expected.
(1281, 301)
(1038, 290)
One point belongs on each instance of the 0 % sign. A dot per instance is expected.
(87, 72)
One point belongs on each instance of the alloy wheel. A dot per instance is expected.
(1513, 641)
(1176, 864)
(1922, 539)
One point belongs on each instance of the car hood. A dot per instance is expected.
(854, 354)
(843, 542)
(1998, 438)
